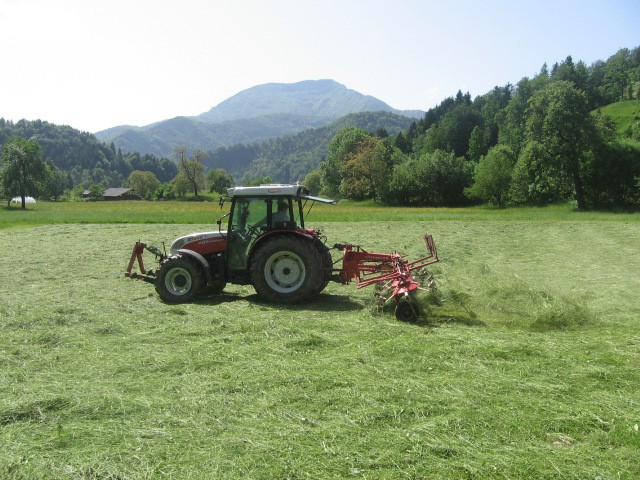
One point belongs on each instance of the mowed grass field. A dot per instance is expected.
(527, 364)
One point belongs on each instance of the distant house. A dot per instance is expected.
(121, 194)
(116, 194)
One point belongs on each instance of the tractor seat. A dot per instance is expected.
(288, 225)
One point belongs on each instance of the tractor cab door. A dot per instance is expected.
(244, 229)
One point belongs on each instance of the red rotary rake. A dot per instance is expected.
(393, 275)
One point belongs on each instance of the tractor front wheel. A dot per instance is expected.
(179, 280)
(287, 269)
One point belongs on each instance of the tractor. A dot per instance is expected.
(267, 245)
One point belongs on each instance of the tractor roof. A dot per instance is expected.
(276, 190)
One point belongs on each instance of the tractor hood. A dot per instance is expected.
(202, 242)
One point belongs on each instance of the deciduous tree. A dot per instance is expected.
(181, 184)
(365, 171)
(22, 168)
(341, 146)
(313, 181)
(559, 118)
(144, 183)
(492, 176)
(219, 180)
(192, 167)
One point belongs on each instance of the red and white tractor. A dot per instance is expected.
(267, 245)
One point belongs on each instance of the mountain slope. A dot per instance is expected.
(251, 116)
(318, 98)
(289, 158)
(626, 116)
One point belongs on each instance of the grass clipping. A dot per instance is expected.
(508, 301)
(537, 309)
(562, 314)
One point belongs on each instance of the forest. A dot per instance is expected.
(542, 141)
(569, 133)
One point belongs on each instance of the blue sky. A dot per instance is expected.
(94, 64)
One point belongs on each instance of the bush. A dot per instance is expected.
(435, 179)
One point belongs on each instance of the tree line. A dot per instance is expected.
(539, 142)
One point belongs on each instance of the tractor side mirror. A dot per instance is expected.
(219, 222)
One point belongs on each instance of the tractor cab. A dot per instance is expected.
(258, 213)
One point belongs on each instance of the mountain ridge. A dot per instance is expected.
(253, 115)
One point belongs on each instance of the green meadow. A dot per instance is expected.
(526, 363)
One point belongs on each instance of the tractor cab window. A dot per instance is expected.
(248, 213)
(255, 215)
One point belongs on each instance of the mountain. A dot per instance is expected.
(317, 98)
(289, 158)
(251, 116)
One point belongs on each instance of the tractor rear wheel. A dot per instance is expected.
(287, 269)
(179, 279)
(327, 266)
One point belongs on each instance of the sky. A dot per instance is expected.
(95, 64)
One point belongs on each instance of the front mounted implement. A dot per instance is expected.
(143, 274)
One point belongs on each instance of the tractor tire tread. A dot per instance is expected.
(306, 251)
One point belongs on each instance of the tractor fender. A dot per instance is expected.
(200, 260)
(299, 233)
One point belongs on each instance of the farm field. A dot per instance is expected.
(526, 366)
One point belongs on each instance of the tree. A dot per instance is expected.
(341, 146)
(365, 171)
(164, 192)
(313, 181)
(192, 168)
(512, 119)
(559, 118)
(96, 192)
(492, 176)
(219, 180)
(55, 182)
(537, 179)
(453, 132)
(613, 178)
(144, 183)
(181, 184)
(22, 168)
(436, 179)
(258, 181)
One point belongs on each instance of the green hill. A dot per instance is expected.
(626, 116)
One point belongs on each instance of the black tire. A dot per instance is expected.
(408, 311)
(327, 266)
(287, 269)
(179, 279)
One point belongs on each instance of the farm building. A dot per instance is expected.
(116, 194)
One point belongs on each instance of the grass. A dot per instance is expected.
(625, 114)
(526, 366)
(177, 212)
